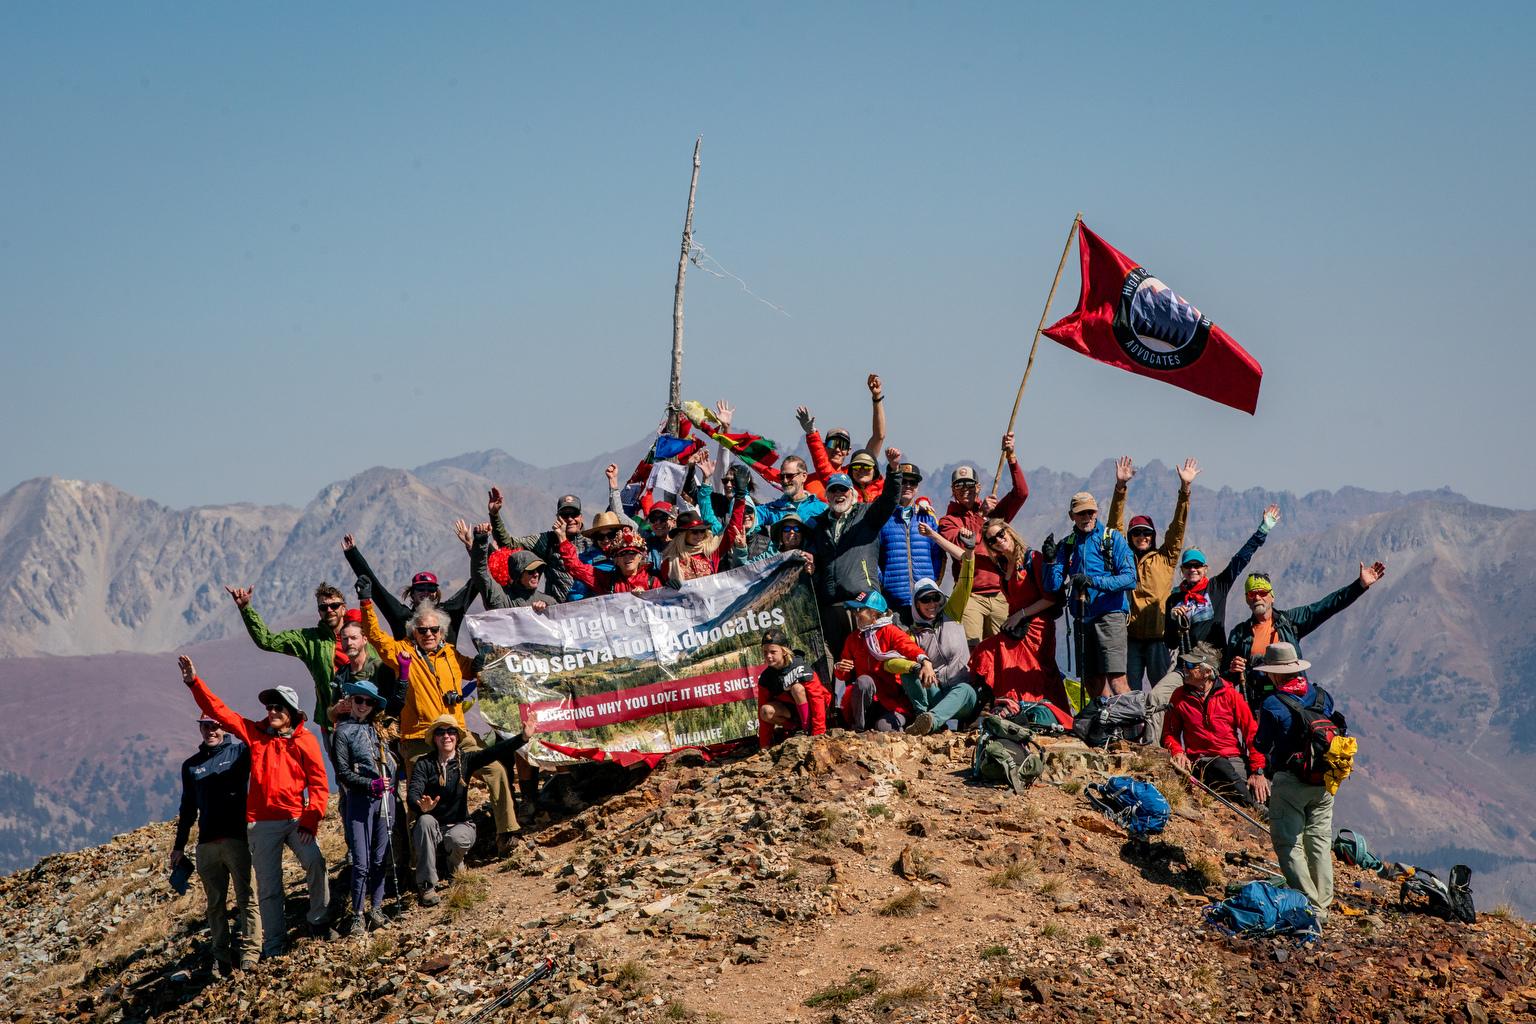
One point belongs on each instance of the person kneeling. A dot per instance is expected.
(439, 793)
(1207, 728)
(789, 693)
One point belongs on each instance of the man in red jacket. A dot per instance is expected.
(987, 609)
(284, 804)
(1209, 730)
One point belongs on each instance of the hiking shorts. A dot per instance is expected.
(1104, 645)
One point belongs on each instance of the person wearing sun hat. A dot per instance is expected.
(1095, 571)
(1266, 624)
(439, 794)
(366, 769)
(284, 803)
(630, 572)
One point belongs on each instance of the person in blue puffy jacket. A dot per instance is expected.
(906, 554)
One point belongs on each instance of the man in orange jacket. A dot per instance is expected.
(284, 804)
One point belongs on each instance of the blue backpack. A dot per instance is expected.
(1259, 908)
(1136, 806)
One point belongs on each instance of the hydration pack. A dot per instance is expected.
(1319, 743)
(1007, 753)
(1260, 908)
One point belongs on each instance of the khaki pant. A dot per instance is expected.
(267, 839)
(1157, 705)
(219, 863)
(427, 837)
(984, 615)
(494, 775)
(1301, 825)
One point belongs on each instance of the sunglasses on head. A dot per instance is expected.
(431, 630)
(330, 606)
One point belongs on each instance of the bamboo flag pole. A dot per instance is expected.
(675, 392)
(1065, 251)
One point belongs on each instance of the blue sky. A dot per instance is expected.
(246, 250)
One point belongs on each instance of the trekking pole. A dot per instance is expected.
(504, 1000)
(1264, 832)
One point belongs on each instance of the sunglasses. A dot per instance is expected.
(928, 598)
(330, 606)
(533, 572)
(791, 476)
(424, 588)
(278, 707)
(361, 699)
(993, 538)
(209, 725)
(789, 528)
(837, 446)
(964, 485)
(429, 630)
(605, 535)
(445, 732)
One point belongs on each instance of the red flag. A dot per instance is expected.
(1130, 319)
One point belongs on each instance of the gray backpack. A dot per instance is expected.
(1007, 753)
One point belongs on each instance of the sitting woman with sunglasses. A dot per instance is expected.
(366, 770)
(435, 687)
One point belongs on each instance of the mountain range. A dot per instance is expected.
(1432, 665)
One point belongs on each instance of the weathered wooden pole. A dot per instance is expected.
(675, 393)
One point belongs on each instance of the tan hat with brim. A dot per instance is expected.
(447, 721)
(1280, 660)
(604, 520)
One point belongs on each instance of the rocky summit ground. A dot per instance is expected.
(846, 879)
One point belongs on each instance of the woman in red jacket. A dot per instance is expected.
(874, 659)
(284, 804)
(630, 572)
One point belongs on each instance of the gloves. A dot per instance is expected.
(807, 421)
(1080, 583)
(967, 540)
(452, 699)
(1048, 549)
(1268, 523)
(364, 588)
(378, 787)
(741, 481)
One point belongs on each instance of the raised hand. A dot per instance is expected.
(493, 502)
(876, 390)
(242, 596)
(706, 465)
(1188, 472)
(482, 529)
(807, 421)
(461, 530)
(364, 587)
(1271, 517)
(1048, 547)
(893, 455)
(724, 413)
(967, 540)
(1371, 574)
(1124, 470)
(347, 543)
(612, 473)
(188, 670)
(1008, 444)
(988, 505)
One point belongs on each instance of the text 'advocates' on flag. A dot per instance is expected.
(1130, 319)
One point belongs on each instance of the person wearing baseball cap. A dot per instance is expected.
(284, 803)
(1209, 730)
(907, 553)
(790, 696)
(1146, 652)
(1196, 609)
(1094, 570)
(968, 511)
(864, 472)
(567, 527)
(397, 611)
(871, 666)
(833, 457)
(1245, 653)
(213, 790)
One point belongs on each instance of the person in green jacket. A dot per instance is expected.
(314, 645)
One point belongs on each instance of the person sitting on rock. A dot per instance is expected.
(873, 659)
(1249, 639)
(1209, 730)
(937, 628)
(213, 786)
(366, 769)
(1017, 664)
(284, 804)
(439, 794)
(790, 696)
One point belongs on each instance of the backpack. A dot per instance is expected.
(1006, 752)
(1260, 908)
(1351, 849)
(1452, 902)
(1318, 739)
(1122, 716)
(1136, 806)
(1038, 718)
(1106, 542)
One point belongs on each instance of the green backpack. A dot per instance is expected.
(1007, 752)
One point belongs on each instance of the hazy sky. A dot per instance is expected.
(247, 249)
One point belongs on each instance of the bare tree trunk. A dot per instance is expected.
(675, 394)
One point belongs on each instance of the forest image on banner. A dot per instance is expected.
(645, 672)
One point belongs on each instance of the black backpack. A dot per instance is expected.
(1312, 733)
(1122, 716)
(1452, 902)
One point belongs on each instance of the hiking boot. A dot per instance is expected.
(224, 967)
(922, 725)
(358, 926)
(430, 898)
(322, 931)
(506, 843)
(377, 918)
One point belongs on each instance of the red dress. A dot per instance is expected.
(1024, 669)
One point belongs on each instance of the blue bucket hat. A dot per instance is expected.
(872, 600)
(1193, 556)
(363, 688)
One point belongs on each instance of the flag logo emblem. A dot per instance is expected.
(1156, 327)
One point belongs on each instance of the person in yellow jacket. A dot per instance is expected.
(434, 673)
(1156, 566)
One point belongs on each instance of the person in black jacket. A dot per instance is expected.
(439, 793)
(845, 541)
(213, 783)
(1196, 610)
(424, 587)
(526, 573)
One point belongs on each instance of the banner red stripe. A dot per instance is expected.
(635, 702)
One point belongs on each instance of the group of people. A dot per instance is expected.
(929, 620)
